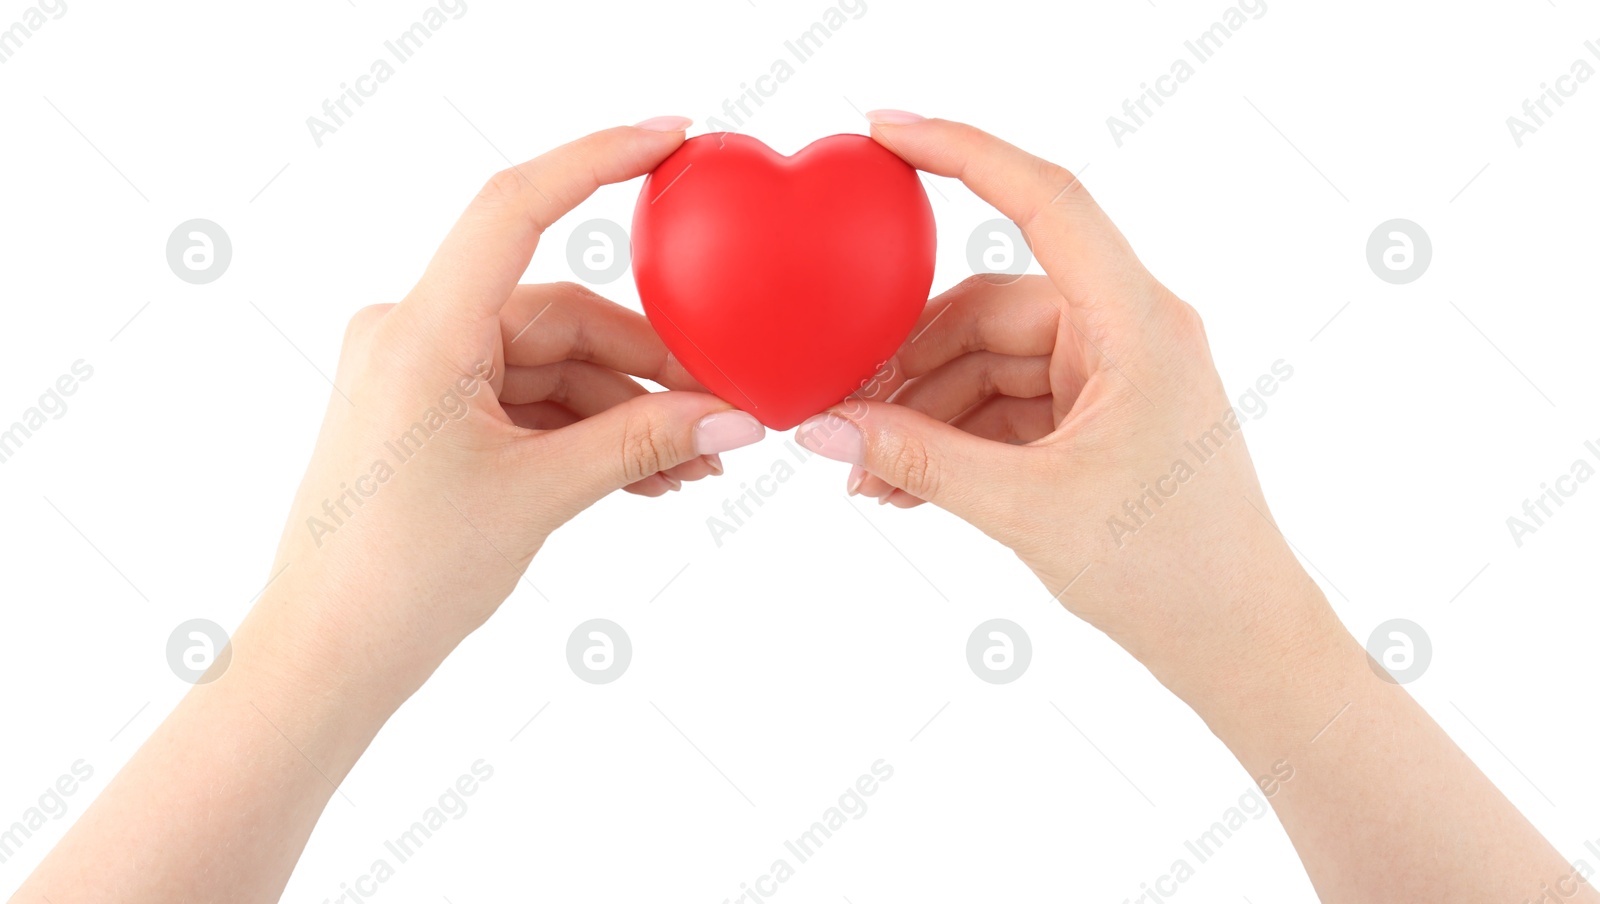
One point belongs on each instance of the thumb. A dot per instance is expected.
(643, 436)
(925, 457)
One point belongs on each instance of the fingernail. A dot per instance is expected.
(726, 430)
(665, 123)
(831, 436)
(714, 462)
(893, 117)
(673, 483)
(857, 475)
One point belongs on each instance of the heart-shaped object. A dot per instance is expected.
(783, 283)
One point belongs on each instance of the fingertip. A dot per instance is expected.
(833, 436)
(901, 499)
(665, 124)
(674, 375)
(891, 117)
(724, 431)
(651, 487)
(873, 487)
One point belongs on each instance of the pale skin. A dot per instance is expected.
(1036, 408)
(1028, 409)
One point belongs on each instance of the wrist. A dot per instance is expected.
(1279, 676)
(270, 712)
(322, 688)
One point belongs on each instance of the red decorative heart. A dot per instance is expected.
(783, 283)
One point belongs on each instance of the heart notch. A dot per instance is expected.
(783, 283)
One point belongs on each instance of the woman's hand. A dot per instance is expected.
(470, 421)
(1078, 419)
(474, 418)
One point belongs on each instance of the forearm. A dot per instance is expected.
(218, 803)
(1382, 805)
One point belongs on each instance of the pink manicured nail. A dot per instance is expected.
(714, 462)
(857, 475)
(665, 123)
(831, 436)
(673, 483)
(893, 117)
(726, 430)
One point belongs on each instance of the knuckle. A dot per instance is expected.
(1056, 185)
(1188, 335)
(1057, 179)
(988, 379)
(1190, 323)
(646, 448)
(969, 137)
(363, 321)
(586, 300)
(1067, 183)
(504, 187)
(909, 463)
(977, 282)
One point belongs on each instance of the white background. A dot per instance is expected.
(817, 639)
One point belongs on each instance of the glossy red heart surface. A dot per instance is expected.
(783, 283)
